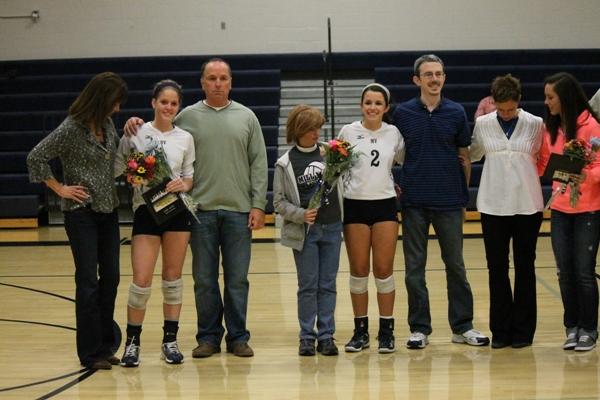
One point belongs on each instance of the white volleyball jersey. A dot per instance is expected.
(371, 177)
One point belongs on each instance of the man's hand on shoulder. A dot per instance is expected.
(132, 125)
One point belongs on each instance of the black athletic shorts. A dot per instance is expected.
(144, 224)
(369, 212)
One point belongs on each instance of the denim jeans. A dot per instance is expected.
(221, 233)
(512, 317)
(317, 266)
(575, 245)
(95, 244)
(415, 231)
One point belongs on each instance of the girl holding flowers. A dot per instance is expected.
(175, 147)
(370, 219)
(313, 232)
(575, 226)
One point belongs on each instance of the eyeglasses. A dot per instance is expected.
(429, 75)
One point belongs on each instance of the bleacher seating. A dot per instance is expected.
(467, 84)
(34, 95)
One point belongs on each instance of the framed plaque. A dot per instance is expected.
(560, 166)
(163, 205)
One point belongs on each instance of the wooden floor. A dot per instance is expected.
(38, 358)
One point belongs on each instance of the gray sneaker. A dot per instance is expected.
(585, 343)
(571, 341)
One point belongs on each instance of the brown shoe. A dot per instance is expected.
(100, 364)
(240, 349)
(113, 360)
(205, 349)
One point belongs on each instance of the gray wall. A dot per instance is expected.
(110, 28)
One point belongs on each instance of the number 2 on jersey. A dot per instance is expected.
(375, 160)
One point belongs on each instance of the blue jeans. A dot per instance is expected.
(223, 233)
(575, 244)
(415, 231)
(317, 266)
(95, 244)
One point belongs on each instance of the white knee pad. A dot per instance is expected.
(138, 296)
(359, 284)
(387, 285)
(172, 291)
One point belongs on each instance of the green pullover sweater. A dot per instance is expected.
(230, 171)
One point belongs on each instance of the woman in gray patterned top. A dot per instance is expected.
(85, 142)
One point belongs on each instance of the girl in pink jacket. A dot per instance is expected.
(575, 231)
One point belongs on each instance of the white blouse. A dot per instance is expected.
(509, 183)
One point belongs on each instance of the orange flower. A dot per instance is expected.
(343, 151)
(150, 160)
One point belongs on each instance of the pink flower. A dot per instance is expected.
(132, 165)
(333, 144)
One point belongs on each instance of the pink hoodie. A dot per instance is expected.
(587, 127)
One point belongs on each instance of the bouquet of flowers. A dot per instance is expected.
(339, 156)
(575, 149)
(151, 169)
(146, 169)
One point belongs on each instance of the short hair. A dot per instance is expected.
(167, 84)
(505, 88)
(302, 119)
(98, 98)
(426, 58)
(213, 59)
(573, 101)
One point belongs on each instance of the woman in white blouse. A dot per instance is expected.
(510, 202)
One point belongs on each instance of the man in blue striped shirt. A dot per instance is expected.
(434, 192)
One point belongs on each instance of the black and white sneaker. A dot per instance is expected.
(170, 353)
(131, 357)
(386, 344)
(359, 341)
(471, 337)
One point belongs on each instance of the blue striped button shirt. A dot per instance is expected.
(432, 175)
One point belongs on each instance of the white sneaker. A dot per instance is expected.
(471, 337)
(417, 340)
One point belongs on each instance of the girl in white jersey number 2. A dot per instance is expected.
(370, 215)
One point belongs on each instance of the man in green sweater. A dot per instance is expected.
(230, 186)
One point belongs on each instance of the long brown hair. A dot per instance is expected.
(573, 102)
(98, 98)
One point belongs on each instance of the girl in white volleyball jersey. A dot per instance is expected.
(147, 237)
(370, 215)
